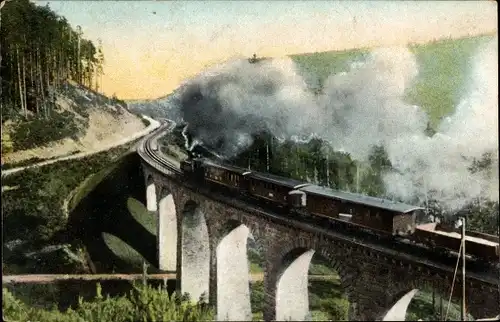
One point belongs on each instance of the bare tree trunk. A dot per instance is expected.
(13, 89)
(96, 83)
(2, 3)
(19, 80)
(24, 88)
(78, 59)
(40, 80)
(47, 79)
(33, 80)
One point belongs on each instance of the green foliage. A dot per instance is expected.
(143, 303)
(421, 307)
(483, 164)
(257, 296)
(482, 216)
(328, 297)
(40, 130)
(7, 144)
(315, 161)
(145, 122)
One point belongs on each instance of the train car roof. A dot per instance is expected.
(224, 166)
(361, 199)
(292, 183)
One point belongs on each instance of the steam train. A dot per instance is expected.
(353, 211)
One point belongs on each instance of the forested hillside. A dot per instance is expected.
(51, 78)
(40, 51)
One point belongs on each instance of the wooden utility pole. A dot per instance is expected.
(462, 311)
(441, 312)
(357, 177)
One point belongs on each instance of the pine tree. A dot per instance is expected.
(39, 52)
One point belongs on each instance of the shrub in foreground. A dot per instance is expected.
(143, 303)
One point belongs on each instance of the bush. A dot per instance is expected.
(145, 121)
(257, 296)
(143, 303)
(40, 131)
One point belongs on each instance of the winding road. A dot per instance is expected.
(152, 126)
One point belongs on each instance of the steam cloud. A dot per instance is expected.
(228, 104)
(440, 164)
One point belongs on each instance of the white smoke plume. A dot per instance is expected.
(439, 165)
(225, 105)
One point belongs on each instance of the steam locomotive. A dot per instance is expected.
(353, 211)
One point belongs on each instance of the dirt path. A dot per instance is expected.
(54, 278)
(152, 126)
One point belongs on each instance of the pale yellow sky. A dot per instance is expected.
(150, 47)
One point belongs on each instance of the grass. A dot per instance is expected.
(443, 71)
(255, 268)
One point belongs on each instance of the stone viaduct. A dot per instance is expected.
(204, 240)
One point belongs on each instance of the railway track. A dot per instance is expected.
(149, 151)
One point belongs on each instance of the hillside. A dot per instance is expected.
(82, 121)
(442, 78)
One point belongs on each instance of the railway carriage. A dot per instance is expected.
(277, 189)
(382, 215)
(226, 175)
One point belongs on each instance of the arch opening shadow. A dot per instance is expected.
(195, 258)
(151, 203)
(167, 233)
(233, 288)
